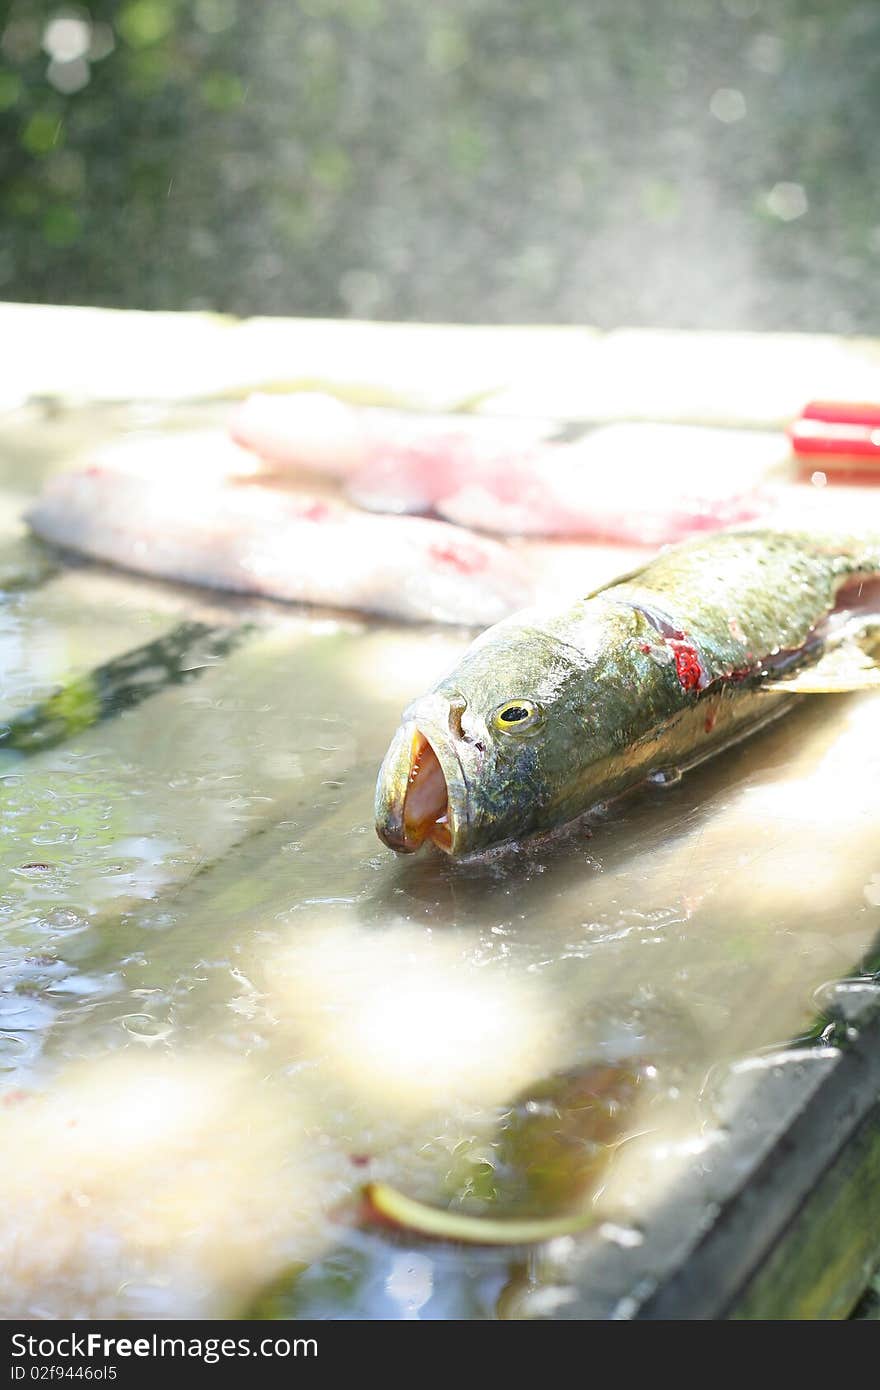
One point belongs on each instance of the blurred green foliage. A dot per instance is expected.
(680, 162)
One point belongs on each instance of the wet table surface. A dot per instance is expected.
(224, 1005)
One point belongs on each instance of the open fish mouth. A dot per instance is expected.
(419, 794)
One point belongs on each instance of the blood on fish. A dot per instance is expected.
(316, 511)
(687, 665)
(458, 557)
(711, 718)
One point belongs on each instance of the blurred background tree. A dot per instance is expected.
(677, 162)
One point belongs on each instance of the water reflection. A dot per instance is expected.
(151, 1189)
(404, 1019)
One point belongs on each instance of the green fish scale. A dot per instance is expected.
(657, 670)
(743, 598)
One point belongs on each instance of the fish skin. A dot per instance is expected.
(656, 671)
(283, 544)
(308, 430)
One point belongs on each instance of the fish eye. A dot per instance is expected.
(516, 716)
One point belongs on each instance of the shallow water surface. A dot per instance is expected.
(224, 1005)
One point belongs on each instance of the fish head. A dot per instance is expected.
(493, 753)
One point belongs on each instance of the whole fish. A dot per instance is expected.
(638, 483)
(401, 460)
(202, 527)
(551, 712)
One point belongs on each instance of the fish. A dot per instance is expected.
(392, 461)
(307, 429)
(203, 526)
(635, 483)
(641, 484)
(557, 709)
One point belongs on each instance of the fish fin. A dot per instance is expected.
(815, 683)
(851, 666)
(618, 579)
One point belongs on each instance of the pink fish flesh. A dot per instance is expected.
(258, 539)
(641, 484)
(390, 461)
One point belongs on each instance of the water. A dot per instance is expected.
(225, 1006)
